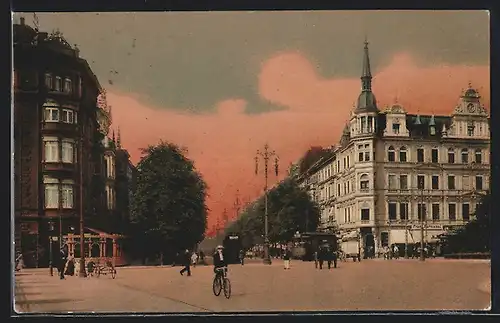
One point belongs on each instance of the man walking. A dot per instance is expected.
(242, 257)
(321, 257)
(61, 261)
(186, 261)
(286, 258)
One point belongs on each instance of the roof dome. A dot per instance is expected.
(471, 93)
(366, 102)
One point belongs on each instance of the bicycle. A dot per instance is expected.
(107, 268)
(221, 282)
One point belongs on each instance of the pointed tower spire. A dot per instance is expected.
(366, 75)
(119, 139)
(417, 120)
(113, 138)
(432, 122)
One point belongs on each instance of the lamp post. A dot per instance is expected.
(51, 229)
(82, 271)
(422, 215)
(266, 155)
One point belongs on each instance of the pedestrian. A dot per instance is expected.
(242, 257)
(316, 258)
(287, 257)
(202, 257)
(194, 259)
(61, 260)
(321, 257)
(70, 266)
(396, 251)
(329, 257)
(186, 261)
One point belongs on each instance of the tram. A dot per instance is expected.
(305, 244)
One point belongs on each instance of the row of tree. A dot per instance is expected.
(290, 209)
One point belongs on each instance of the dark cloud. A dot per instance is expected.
(194, 60)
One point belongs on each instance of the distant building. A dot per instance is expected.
(391, 168)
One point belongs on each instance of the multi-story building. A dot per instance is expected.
(394, 171)
(60, 157)
(55, 95)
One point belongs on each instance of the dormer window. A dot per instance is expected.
(48, 81)
(67, 86)
(432, 130)
(58, 85)
(395, 128)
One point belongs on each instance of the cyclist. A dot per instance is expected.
(219, 260)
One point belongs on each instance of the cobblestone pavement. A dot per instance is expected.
(370, 285)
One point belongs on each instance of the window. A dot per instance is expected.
(370, 124)
(432, 130)
(391, 154)
(421, 211)
(58, 86)
(451, 156)
(67, 86)
(465, 211)
(478, 156)
(361, 156)
(395, 128)
(465, 156)
(402, 154)
(420, 155)
(466, 182)
(420, 182)
(403, 182)
(435, 211)
(51, 114)
(67, 195)
(48, 81)
(403, 211)
(364, 182)
(365, 214)
(452, 211)
(51, 149)
(51, 189)
(435, 182)
(470, 129)
(363, 124)
(451, 182)
(479, 182)
(68, 116)
(338, 190)
(367, 156)
(435, 155)
(384, 239)
(392, 207)
(68, 150)
(392, 182)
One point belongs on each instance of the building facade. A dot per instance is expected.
(58, 155)
(394, 172)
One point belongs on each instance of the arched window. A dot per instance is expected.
(465, 156)
(391, 154)
(451, 156)
(478, 156)
(402, 154)
(364, 182)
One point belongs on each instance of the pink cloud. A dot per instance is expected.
(223, 144)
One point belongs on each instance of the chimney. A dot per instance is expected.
(22, 21)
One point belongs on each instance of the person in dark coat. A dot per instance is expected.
(186, 262)
(61, 260)
(331, 257)
(287, 257)
(321, 257)
(242, 257)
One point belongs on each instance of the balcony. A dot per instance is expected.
(59, 166)
(59, 127)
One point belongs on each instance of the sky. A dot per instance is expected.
(222, 84)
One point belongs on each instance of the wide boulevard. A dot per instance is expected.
(389, 285)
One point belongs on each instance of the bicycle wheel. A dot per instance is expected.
(113, 272)
(98, 271)
(227, 288)
(216, 286)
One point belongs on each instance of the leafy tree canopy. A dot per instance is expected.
(168, 205)
(290, 209)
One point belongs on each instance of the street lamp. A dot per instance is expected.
(266, 156)
(82, 271)
(422, 215)
(51, 230)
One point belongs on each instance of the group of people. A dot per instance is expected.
(325, 254)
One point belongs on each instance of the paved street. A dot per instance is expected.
(436, 284)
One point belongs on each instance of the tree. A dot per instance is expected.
(475, 235)
(168, 205)
(290, 209)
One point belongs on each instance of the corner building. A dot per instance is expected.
(392, 168)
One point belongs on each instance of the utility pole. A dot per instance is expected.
(266, 155)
